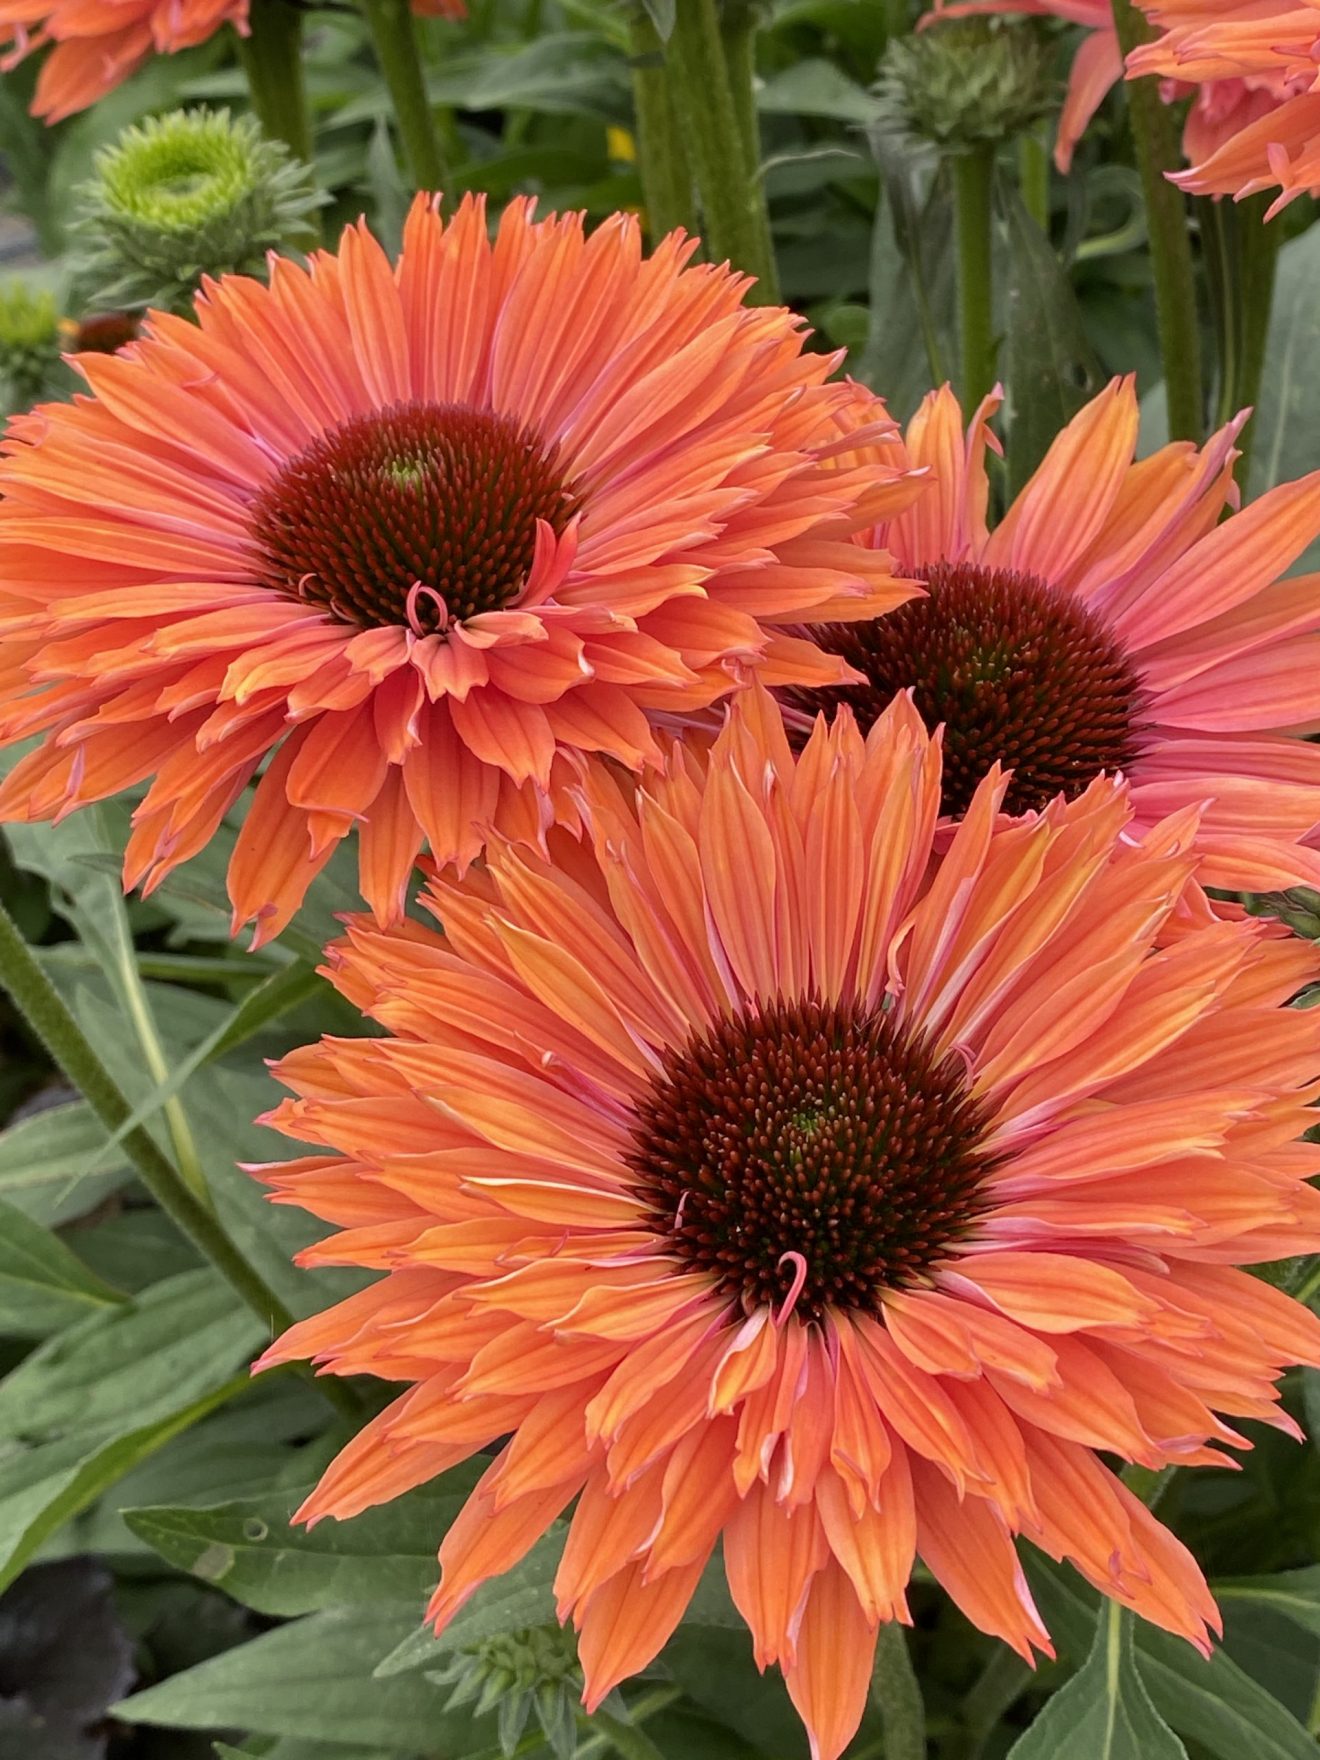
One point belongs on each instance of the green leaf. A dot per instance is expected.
(1213, 1702)
(43, 1487)
(1104, 1712)
(1049, 366)
(662, 14)
(313, 1679)
(44, 1286)
(1286, 426)
(143, 1361)
(248, 1548)
(816, 88)
(1295, 1594)
(279, 993)
(41, 1158)
(522, 1597)
(89, 1404)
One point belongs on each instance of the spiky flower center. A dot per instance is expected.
(810, 1153)
(1019, 672)
(420, 513)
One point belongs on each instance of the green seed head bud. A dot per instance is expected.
(966, 83)
(516, 1674)
(185, 195)
(30, 344)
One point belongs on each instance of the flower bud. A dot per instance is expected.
(177, 197)
(966, 83)
(30, 345)
(516, 1673)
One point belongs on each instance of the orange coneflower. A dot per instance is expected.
(1275, 50)
(1110, 621)
(424, 528)
(1219, 108)
(97, 44)
(762, 1175)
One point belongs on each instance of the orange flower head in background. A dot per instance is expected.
(1265, 49)
(762, 1176)
(1222, 108)
(420, 531)
(1110, 622)
(96, 44)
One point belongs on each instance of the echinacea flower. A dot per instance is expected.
(1219, 110)
(418, 530)
(97, 44)
(1202, 43)
(1111, 621)
(762, 1175)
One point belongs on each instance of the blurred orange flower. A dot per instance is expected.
(763, 1175)
(97, 44)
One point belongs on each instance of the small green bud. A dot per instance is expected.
(1298, 907)
(185, 195)
(31, 341)
(966, 82)
(516, 1673)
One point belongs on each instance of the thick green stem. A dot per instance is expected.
(394, 37)
(49, 1017)
(1155, 138)
(973, 177)
(897, 1696)
(272, 60)
(1034, 179)
(738, 34)
(661, 159)
(736, 225)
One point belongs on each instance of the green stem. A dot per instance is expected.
(46, 1012)
(176, 1119)
(1034, 179)
(1148, 1483)
(394, 37)
(1259, 259)
(973, 175)
(735, 222)
(738, 34)
(661, 159)
(897, 1696)
(272, 60)
(624, 1736)
(1155, 138)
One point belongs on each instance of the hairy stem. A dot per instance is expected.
(1155, 137)
(394, 37)
(897, 1696)
(736, 225)
(662, 159)
(272, 61)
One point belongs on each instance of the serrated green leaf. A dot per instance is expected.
(1104, 1712)
(1295, 1594)
(43, 1285)
(313, 1679)
(249, 1549)
(41, 1158)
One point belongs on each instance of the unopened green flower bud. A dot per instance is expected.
(515, 1674)
(31, 341)
(185, 195)
(966, 83)
(1298, 907)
